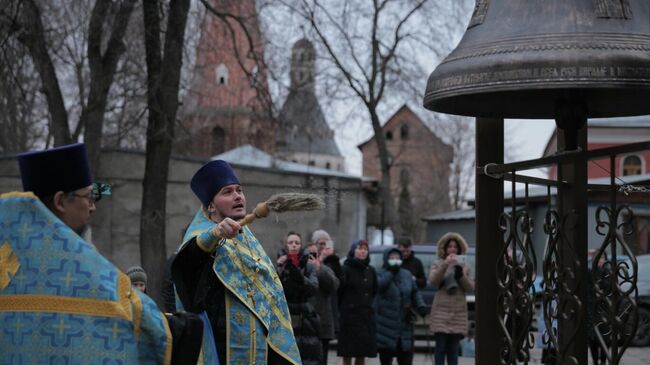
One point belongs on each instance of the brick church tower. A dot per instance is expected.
(228, 104)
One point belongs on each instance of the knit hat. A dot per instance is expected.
(319, 235)
(136, 273)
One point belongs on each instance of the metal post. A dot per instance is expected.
(489, 206)
(572, 201)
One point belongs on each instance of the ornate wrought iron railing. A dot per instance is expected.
(515, 275)
(600, 296)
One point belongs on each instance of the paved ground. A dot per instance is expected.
(633, 356)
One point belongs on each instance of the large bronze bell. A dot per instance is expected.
(546, 59)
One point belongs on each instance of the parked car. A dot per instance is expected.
(428, 254)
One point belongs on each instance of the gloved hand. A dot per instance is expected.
(458, 272)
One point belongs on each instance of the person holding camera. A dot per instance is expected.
(328, 257)
(397, 304)
(328, 284)
(448, 319)
(297, 272)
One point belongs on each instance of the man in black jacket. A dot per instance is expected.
(410, 262)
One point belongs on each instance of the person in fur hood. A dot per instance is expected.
(448, 319)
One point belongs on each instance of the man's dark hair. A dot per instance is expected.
(405, 241)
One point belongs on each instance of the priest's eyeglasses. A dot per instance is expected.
(92, 197)
(95, 195)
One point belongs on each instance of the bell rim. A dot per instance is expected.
(509, 102)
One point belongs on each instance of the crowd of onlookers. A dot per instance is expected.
(369, 312)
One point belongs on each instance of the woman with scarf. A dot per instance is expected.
(357, 318)
(298, 276)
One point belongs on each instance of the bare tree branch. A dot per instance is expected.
(32, 35)
(102, 71)
(354, 84)
(374, 49)
(385, 60)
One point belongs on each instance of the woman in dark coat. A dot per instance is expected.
(300, 282)
(397, 305)
(357, 336)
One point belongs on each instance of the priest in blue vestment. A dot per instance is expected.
(222, 272)
(61, 301)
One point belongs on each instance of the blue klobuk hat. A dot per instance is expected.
(210, 178)
(62, 168)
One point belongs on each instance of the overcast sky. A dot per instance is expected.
(532, 137)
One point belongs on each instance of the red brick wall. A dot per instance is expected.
(425, 157)
(235, 106)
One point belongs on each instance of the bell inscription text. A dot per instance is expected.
(613, 9)
(522, 75)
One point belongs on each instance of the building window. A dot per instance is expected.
(328, 165)
(632, 165)
(389, 135)
(222, 74)
(404, 177)
(218, 140)
(254, 76)
(404, 131)
(312, 163)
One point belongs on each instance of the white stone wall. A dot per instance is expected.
(116, 223)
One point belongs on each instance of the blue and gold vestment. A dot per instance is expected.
(63, 302)
(258, 315)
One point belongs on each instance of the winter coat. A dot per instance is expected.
(357, 336)
(449, 309)
(334, 263)
(396, 304)
(300, 283)
(414, 265)
(328, 284)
